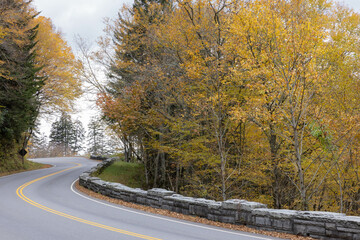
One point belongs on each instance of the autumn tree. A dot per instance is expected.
(287, 60)
(197, 35)
(19, 84)
(338, 125)
(59, 68)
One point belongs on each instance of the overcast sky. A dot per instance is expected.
(83, 17)
(355, 4)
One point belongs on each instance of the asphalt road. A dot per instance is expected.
(43, 205)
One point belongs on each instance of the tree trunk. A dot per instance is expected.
(156, 169)
(302, 187)
(177, 178)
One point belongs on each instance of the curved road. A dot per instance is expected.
(43, 205)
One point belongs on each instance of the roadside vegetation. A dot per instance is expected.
(129, 174)
(28, 166)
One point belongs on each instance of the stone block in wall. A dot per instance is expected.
(167, 207)
(227, 219)
(154, 201)
(141, 200)
(200, 206)
(309, 222)
(99, 182)
(285, 225)
(198, 210)
(94, 179)
(323, 216)
(249, 206)
(345, 235)
(230, 213)
(167, 202)
(232, 204)
(244, 217)
(308, 227)
(316, 230)
(356, 236)
(280, 219)
(219, 218)
(184, 211)
(213, 217)
(213, 205)
(352, 230)
(276, 213)
(347, 222)
(330, 226)
(180, 201)
(136, 191)
(300, 229)
(203, 201)
(217, 213)
(114, 186)
(177, 209)
(332, 234)
(159, 192)
(84, 176)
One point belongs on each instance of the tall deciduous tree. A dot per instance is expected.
(58, 66)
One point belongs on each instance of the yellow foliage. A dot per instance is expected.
(58, 67)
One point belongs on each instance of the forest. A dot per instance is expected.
(221, 99)
(249, 99)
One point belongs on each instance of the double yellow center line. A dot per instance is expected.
(20, 193)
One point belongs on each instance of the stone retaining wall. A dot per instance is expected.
(98, 157)
(322, 225)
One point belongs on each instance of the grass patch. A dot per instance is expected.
(129, 174)
(28, 166)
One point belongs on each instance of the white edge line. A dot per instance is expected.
(166, 219)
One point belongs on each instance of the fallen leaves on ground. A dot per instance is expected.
(188, 217)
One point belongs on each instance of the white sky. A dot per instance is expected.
(355, 4)
(85, 18)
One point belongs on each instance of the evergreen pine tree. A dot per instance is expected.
(78, 135)
(96, 137)
(67, 135)
(18, 83)
(61, 135)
